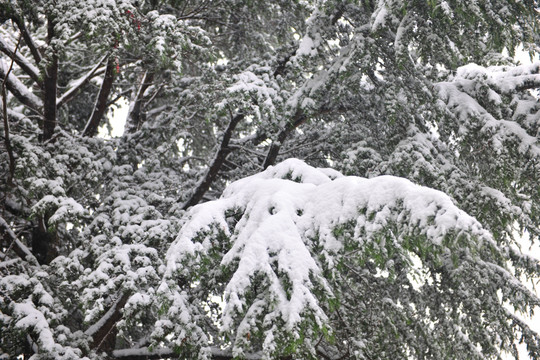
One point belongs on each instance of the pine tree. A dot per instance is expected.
(214, 226)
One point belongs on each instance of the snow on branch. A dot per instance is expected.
(12, 241)
(79, 83)
(462, 93)
(279, 216)
(23, 62)
(32, 316)
(506, 79)
(146, 353)
(19, 90)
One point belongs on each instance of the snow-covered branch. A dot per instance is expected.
(292, 222)
(11, 241)
(504, 79)
(19, 90)
(20, 60)
(145, 353)
(79, 83)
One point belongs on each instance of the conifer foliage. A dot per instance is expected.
(341, 179)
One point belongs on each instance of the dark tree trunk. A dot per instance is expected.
(273, 152)
(49, 88)
(43, 243)
(216, 165)
(101, 102)
(104, 339)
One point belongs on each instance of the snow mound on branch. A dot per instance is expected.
(282, 211)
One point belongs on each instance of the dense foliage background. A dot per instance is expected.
(105, 255)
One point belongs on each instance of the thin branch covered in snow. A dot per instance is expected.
(79, 83)
(19, 90)
(24, 63)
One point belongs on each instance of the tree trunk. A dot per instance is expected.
(49, 88)
(273, 152)
(101, 102)
(44, 243)
(213, 170)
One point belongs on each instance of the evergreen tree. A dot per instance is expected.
(214, 226)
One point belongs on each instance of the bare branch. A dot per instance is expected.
(133, 121)
(50, 85)
(28, 39)
(103, 331)
(101, 101)
(298, 119)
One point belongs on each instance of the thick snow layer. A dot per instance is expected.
(307, 47)
(461, 93)
(283, 210)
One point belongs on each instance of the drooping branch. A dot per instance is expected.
(213, 170)
(282, 63)
(134, 119)
(298, 119)
(20, 60)
(101, 102)
(529, 84)
(77, 85)
(49, 87)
